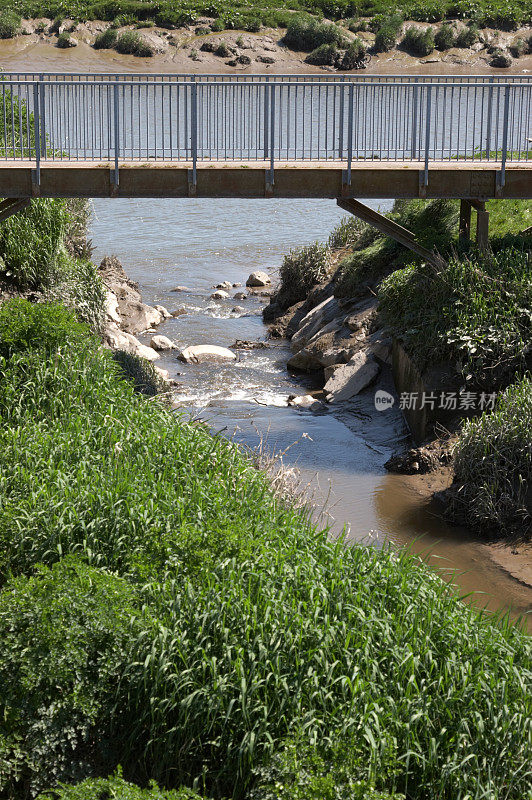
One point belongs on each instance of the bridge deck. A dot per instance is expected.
(310, 179)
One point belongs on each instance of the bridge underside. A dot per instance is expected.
(375, 179)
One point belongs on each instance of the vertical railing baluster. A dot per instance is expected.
(272, 133)
(341, 129)
(117, 132)
(415, 101)
(502, 177)
(488, 123)
(350, 132)
(266, 116)
(194, 129)
(37, 132)
(42, 117)
(427, 135)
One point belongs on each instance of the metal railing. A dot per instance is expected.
(191, 119)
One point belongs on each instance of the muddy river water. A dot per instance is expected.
(339, 452)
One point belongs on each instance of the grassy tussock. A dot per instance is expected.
(300, 271)
(192, 627)
(493, 467)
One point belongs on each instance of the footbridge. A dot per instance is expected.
(294, 136)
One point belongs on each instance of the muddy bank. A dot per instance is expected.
(182, 51)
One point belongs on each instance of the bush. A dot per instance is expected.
(472, 314)
(306, 33)
(444, 37)
(218, 25)
(325, 54)
(64, 41)
(493, 467)
(64, 634)
(116, 788)
(353, 56)
(222, 50)
(346, 233)
(500, 59)
(30, 244)
(9, 24)
(80, 288)
(388, 29)
(419, 42)
(302, 269)
(131, 43)
(35, 326)
(56, 25)
(253, 25)
(106, 40)
(466, 37)
(518, 48)
(140, 371)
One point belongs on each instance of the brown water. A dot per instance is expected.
(340, 453)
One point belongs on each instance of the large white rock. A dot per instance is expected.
(206, 352)
(111, 307)
(349, 379)
(303, 401)
(258, 278)
(224, 285)
(220, 294)
(165, 314)
(162, 343)
(121, 340)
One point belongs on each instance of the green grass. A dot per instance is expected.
(418, 41)
(300, 271)
(474, 314)
(106, 40)
(132, 43)
(493, 467)
(239, 14)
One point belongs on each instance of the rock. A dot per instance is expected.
(236, 285)
(181, 289)
(246, 344)
(328, 372)
(220, 294)
(120, 340)
(162, 343)
(314, 321)
(240, 296)
(111, 307)
(244, 60)
(303, 401)
(258, 278)
(206, 352)
(238, 310)
(224, 285)
(380, 346)
(349, 379)
(165, 314)
(135, 316)
(266, 59)
(178, 312)
(419, 459)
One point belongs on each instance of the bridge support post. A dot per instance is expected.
(483, 218)
(464, 225)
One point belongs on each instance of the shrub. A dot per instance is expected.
(306, 33)
(500, 59)
(131, 43)
(218, 25)
(347, 232)
(106, 40)
(80, 288)
(253, 25)
(30, 243)
(64, 636)
(222, 50)
(493, 466)
(56, 25)
(444, 37)
(116, 788)
(325, 54)
(27, 326)
(64, 41)
(202, 31)
(466, 37)
(419, 42)
(140, 371)
(388, 29)
(354, 53)
(149, 23)
(472, 313)
(518, 48)
(355, 25)
(302, 269)
(9, 24)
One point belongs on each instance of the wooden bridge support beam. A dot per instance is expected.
(12, 205)
(392, 229)
(464, 229)
(483, 219)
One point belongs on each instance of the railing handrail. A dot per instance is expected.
(271, 82)
(296, 76)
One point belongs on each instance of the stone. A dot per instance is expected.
(380, 346)
(165, 314)
(120, 340)
(238, 310)
(303, 401)
(349, 379)
(135, 316)
(236, 285)
(162, 343)
(266, 59)
(111, 307)
(240, 296)
(328, 372)
(220, 294)
(224, 285)
(316, 319)
(206, 352)
(258, 278)
(178, 312)
(180, 289)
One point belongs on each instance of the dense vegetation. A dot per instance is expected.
(247, 15)
(161, 609)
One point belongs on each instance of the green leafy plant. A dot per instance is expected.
(302, 269)
(64, 41)
(444, 37)
(9, 24)
(131, 43)
(325, 54)
(418, 41)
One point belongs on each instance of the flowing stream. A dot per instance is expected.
(339, 452)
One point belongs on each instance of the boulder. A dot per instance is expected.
(238, 310)
(380, 346)
(178, 312)
(135, 316)
(240, 296)
(165, 314)
(220, 294)
(224, 285)
(349, 379)
(162, 343)
(181, 289)
(316, 319)
(303, 401)
(111, 307)
(258, 278)
(120, 340)
(206, 352)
